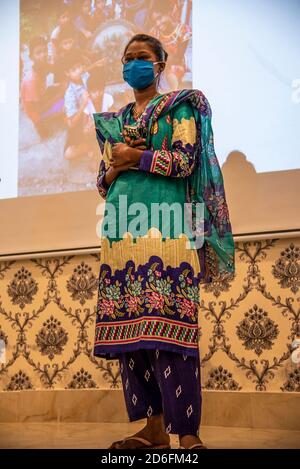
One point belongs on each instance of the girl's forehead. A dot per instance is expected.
(139, 47)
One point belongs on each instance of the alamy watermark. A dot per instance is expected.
(170, 220)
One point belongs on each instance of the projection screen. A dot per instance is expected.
(243, 55)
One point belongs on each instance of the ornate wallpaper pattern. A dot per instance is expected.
(247, 322)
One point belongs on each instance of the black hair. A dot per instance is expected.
(35, 42)
(66, 32)
(154, 44)
(72, 59)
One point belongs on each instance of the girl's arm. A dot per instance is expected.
(179, 160)
(106, 174)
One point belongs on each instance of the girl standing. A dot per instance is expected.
(158, 158)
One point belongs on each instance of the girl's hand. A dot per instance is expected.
(139, 143)
(111, 175)
(124, 156)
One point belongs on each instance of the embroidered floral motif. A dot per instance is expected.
(160, 296)
(133, 293)
(151, 294)
(112, 301)
(186, 308)
(216, 203)
(148, 289)
(188, 296)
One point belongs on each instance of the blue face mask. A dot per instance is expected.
(139, 74)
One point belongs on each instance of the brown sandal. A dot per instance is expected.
(145, 444)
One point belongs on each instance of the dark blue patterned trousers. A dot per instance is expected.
(159, 381)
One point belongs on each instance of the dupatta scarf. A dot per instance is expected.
(205, 185)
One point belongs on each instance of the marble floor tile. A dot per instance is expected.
(100, 435)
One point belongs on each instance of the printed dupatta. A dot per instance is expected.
(205, 185)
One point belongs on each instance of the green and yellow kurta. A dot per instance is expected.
(150, 268)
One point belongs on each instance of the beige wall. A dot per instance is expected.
(247, 323)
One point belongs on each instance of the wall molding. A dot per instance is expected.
(220, 408)
(278, 234)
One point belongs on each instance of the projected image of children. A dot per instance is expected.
(69, 69)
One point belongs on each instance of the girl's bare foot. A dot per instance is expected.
(187, 441)
(153, 432)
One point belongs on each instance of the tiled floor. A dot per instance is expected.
(100, 435)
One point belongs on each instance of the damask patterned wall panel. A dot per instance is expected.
(247, 323)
